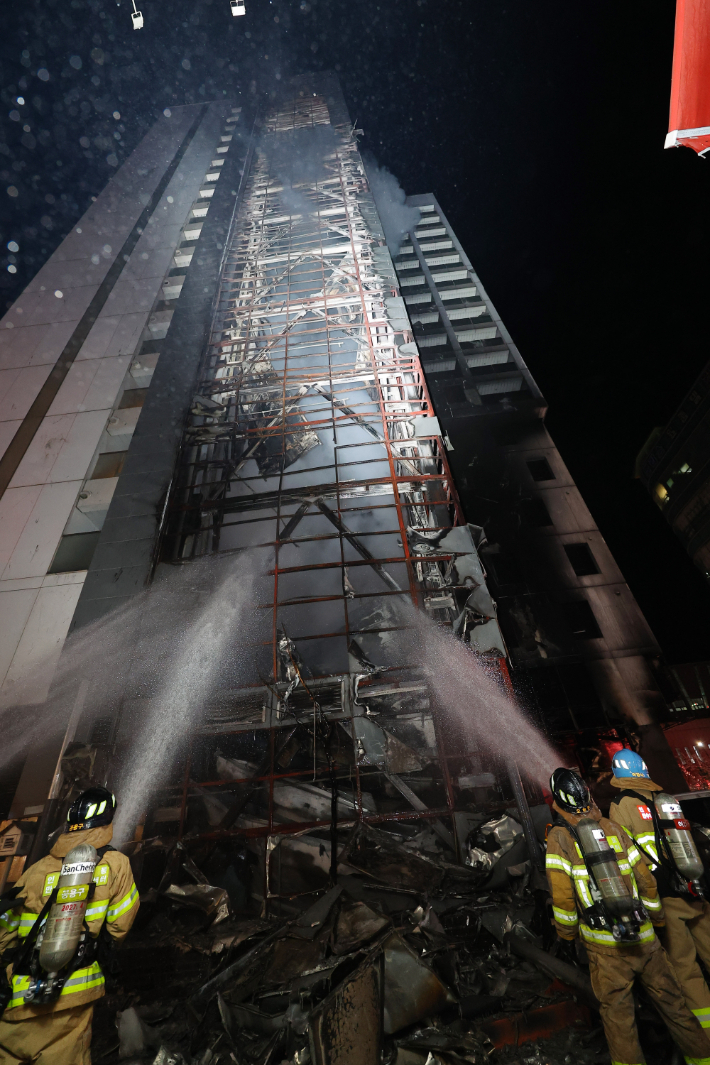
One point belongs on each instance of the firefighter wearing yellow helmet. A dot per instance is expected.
(68, 907)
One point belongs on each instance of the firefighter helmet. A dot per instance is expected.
(626, 763)
(570, 791)
(93, 808)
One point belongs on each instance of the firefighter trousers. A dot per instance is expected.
(60, 1037)
(612, 982)
(685, 937)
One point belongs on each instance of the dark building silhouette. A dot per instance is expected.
(674, 466)
(582, 651)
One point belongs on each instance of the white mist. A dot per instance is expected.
(212, 644)
(468, 689)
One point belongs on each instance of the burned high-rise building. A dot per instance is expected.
(581, 649)
(222, 358)
(673, 467)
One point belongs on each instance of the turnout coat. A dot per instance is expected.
(115, 903)
(569, 882)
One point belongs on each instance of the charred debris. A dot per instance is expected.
(408, 959)
(352, 941)
(345, 891)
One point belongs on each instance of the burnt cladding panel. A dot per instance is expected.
(310, 442)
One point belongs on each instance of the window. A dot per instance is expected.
(101, 731)
(581, 620)
(109, 465)
(535, 513)
(540, 470)
(133, 397)
(563, 697)
(74, 552)
(581, 559)
(505, 569)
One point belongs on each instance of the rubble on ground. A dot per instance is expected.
(407, 960)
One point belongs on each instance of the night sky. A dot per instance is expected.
(540, 129)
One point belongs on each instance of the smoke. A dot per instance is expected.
(298, 158)
(397, 217)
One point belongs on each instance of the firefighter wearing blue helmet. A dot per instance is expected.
(655, 821)
(602, 891)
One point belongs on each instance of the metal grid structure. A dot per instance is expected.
(312, 442)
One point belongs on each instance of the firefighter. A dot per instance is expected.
(656, 823)
(602, 890)
(58, 1032)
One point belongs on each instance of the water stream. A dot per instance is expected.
(214, 644)
(468, 689)
(149, 668)
(145, 671)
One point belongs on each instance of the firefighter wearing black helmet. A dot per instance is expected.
(59, 1030)
(602, 891)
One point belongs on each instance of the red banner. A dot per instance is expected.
(689, 123)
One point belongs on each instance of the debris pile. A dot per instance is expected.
(406, 960)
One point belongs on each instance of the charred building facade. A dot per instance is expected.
(247, 370)
(581, 650)
(674, 467)
(272, 400)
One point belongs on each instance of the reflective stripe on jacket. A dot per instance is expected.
(115, 903)
(569, 881)
(635, 814)
(83, 980)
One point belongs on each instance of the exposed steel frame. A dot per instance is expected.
(304, 349)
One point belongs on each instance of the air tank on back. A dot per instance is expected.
(65, 922)
(680, 840)
(601, 859)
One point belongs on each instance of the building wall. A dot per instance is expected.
(289, 424)
(76, 370)
(73, 373)
(674, 466)
(96, 495)
(579, 644)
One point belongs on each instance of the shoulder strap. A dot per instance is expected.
(25, 954)
(661, 847)
(9, 900)
(102, 850)
(559, 822)
(665, 857)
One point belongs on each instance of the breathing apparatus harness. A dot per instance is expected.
(26, 960)
(624, 928)
(671, 883)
